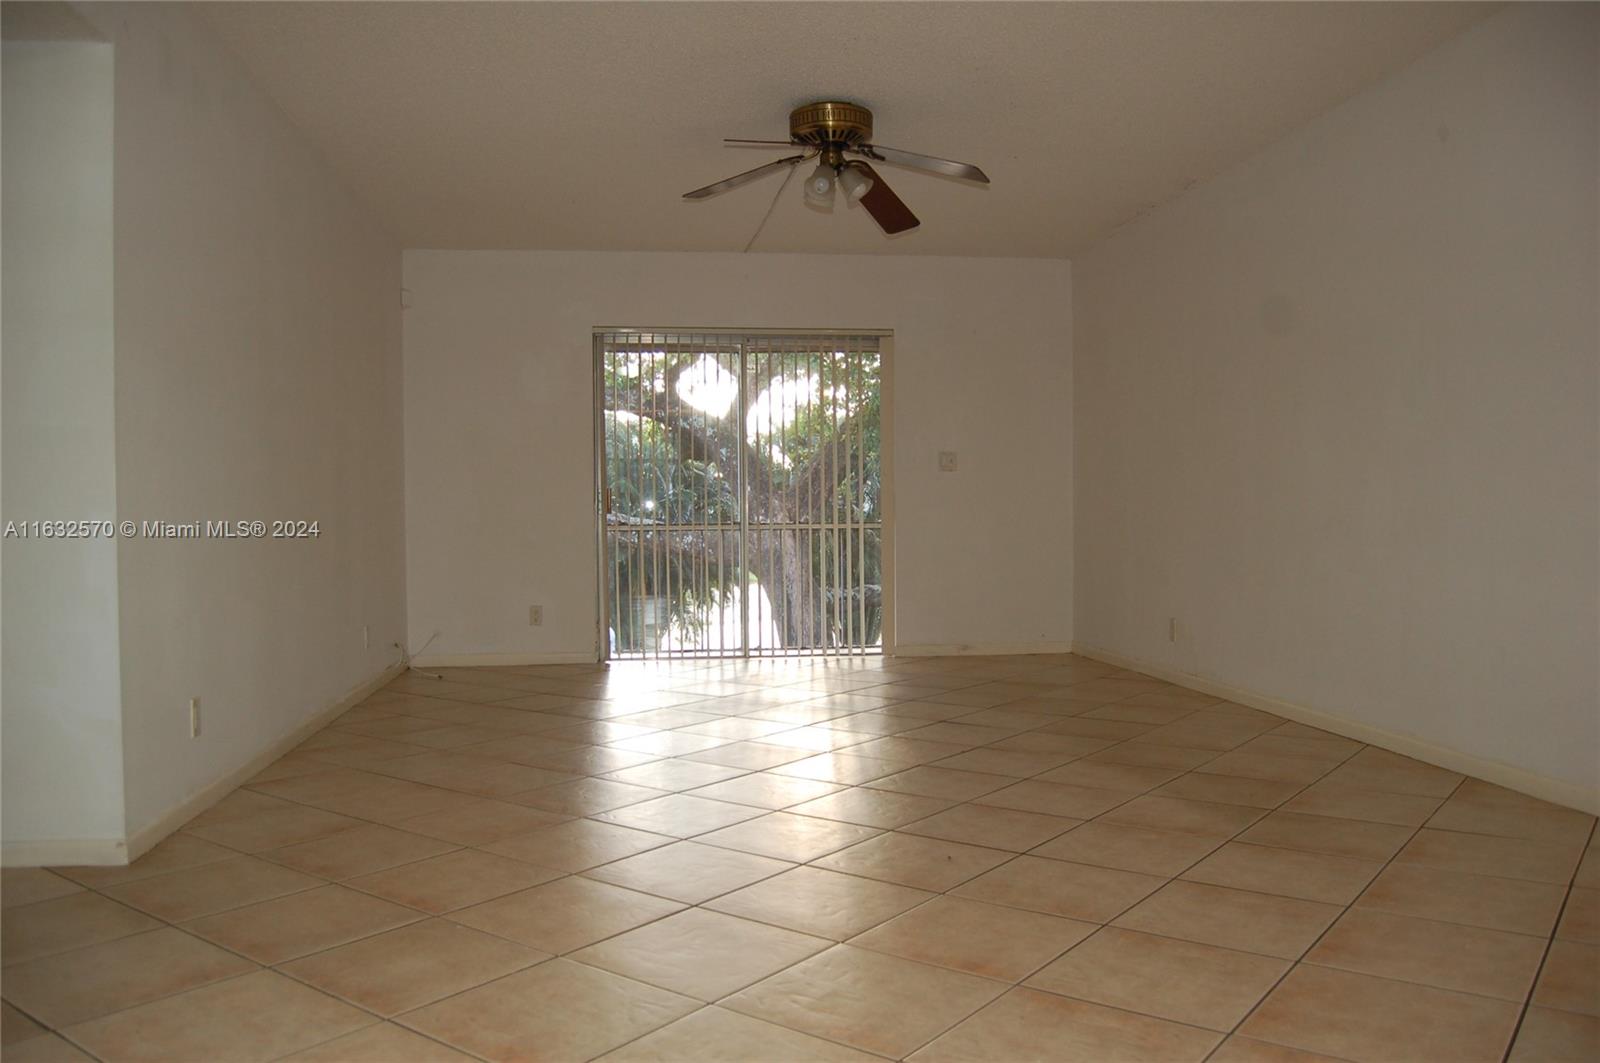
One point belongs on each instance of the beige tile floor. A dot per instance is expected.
(976, 859)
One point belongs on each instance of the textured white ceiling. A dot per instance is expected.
(563, 126)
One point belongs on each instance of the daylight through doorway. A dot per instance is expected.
(741, 493)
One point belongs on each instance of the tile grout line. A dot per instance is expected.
(1301, 960)
(1021, 984)
(835, 944)
(866, 784)
(1544, 958)
(1015, 855)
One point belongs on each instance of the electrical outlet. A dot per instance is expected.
(366, 637)
(194, 717)
(947, 461)
(1172, 629)
(535, 615)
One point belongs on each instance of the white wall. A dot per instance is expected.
(257, 377)
(1337, 411)
(499, 431)
(62, 722)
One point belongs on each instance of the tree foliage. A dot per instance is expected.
(805, 461)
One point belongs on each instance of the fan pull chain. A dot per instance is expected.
(770, 208)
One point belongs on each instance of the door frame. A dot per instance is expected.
(885, 339)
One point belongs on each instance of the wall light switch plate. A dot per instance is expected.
(194, 717)
(947, 461)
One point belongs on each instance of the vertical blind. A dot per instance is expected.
(741, 493)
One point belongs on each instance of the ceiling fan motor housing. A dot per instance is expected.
(826, 130)
(831, 123)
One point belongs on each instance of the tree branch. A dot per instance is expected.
(818, 483)
(696, 436)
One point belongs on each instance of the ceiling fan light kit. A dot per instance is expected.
(854, 180)
(828, 131)
(819, 187)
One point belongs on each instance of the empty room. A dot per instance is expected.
(745, 532)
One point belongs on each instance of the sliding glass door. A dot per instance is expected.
(742, 493)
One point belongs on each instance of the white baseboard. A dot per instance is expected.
(977, 649)
(117, 851)
(1559, 791)
(64, 852)
(480, 660)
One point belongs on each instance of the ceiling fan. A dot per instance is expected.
(829, 130)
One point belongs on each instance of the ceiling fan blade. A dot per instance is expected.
(947, 167)
(759, 143)
(886, 209)
(743, 178)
